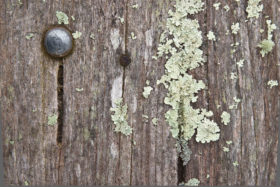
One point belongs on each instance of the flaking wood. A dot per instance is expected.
(29, 84)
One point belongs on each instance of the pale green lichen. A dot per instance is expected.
(226, 7)
(26, 183)
(79, 89)
(236, 102)
(92, 36)
(73, 18)
(62, 17)
(211, 36)
(235, 164)
(120, 118)
(121, 20)
(193, 182)
(225, 118)
(267, 44)
(229, 142)
(216, 5)
(226, 149)
(272, 83)
(86, 134)
(253, 9)
(183, 150)
(135, 6)
(52, 119)
(77, 34)
(240, 63)
(12, 142)
(233, 75)
(155, 121)
(147, 91)
(132, 35)
(29, 36)
(235, 28)
(180, 44)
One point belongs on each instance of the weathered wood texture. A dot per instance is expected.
(28, 95)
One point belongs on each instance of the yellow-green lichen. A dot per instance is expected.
(233, 75)
(132, 35)
(77, 34)
(236, 102)
(235, 28)
(120, 118)
(79, 89)
(92, 36)
(211, 36)
(180, 44)
(225, 118)
(29, 36)
(226, 7)
(216, 5)
(272, 83)
(235, 164)
(147, 91)
(229, 142)
(26, 183)
(52, 119)
(154, 121)
(254, 8)
(73, 18)
(86, 133)
(193, 182)
(267, 45)
(240, 63)
(225, 149)
(135, 6)
(62, 17)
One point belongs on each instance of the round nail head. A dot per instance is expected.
(58, 42)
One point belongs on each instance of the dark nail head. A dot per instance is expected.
(125, 59)
(58, 42)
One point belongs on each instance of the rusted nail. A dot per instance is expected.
(58, 42)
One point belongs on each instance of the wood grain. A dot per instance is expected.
(91, 152)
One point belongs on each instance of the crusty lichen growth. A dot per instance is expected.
(120, 118)
(235, 28)
(267, 44)
(254, 8)
(225, 118)
(272, 83)
(52, 119)
(147, 91)
(211, 36)
(183, 150)
(193, 182)
(29, 36)
(76, 35)
(216, 5)
(62, 17)
(180, 44)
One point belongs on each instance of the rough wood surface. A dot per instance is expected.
(28, 96)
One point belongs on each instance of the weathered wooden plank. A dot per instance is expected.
(255, 123)
(154, 157)
(94, 68)
(28, 81)
(91, 152)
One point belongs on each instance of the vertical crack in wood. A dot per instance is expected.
(180, 166)
(60, 103)
(60, 109)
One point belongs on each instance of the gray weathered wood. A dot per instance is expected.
(93, 78)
